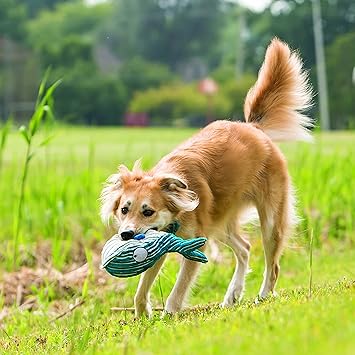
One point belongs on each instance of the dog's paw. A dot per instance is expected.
(143, 310)
(172, 308)
(228, 302)
(232, 298)
(166, 315)
(225, 304)
(263, 297)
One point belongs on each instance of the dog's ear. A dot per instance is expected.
(123, 171)
(110, 197)
(137, 166)
(178, 195)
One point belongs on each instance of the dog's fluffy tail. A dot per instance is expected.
(280, 95)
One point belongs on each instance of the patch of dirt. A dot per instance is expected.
(37, 276)
(16, 287)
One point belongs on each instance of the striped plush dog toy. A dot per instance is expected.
(130, 258)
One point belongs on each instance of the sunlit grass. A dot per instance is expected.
(62, 208)
(65, 181)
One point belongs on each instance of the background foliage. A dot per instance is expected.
(112, 52)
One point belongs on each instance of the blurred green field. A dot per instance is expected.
(61, 211)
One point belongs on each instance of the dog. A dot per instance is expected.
(208, 182)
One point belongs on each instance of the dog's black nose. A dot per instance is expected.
(127, 235)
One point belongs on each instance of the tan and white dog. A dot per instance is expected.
(209, 181)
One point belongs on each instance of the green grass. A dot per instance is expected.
(61, 209)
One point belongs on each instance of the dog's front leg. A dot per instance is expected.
(142, 297)
(187, 275)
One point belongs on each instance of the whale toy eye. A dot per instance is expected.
(140, 254)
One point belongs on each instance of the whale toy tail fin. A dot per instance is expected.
(189, 248)
(187, 245)
(196, 255)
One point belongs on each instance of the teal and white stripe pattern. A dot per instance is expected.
(132, 257)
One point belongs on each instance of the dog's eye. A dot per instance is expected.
(148, 213)
(124, 210)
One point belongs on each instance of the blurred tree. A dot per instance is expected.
(235, 91)
(50, 28)
(11, 13)
(178, 101)
(86, 96)
(291, 20)
(14, 13)
(338, 18)
(130, 46)
(64, 39)
(168, 32)
(35, 6)
(71, 49)
(223, 73)
(340, 66)
(138, 74)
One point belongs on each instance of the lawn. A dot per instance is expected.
(61, 230)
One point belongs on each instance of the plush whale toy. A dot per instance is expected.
(130, 258)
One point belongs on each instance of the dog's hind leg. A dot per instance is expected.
(276, 221)
(141, 299)
(241, 249)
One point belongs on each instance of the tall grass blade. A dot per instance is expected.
(161, 292)
(28, 134)
(310, 284)
(5, 130)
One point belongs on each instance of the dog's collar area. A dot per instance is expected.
(172, 227)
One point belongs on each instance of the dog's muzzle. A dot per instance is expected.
(127, 235)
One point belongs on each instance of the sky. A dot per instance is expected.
(256, 5)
